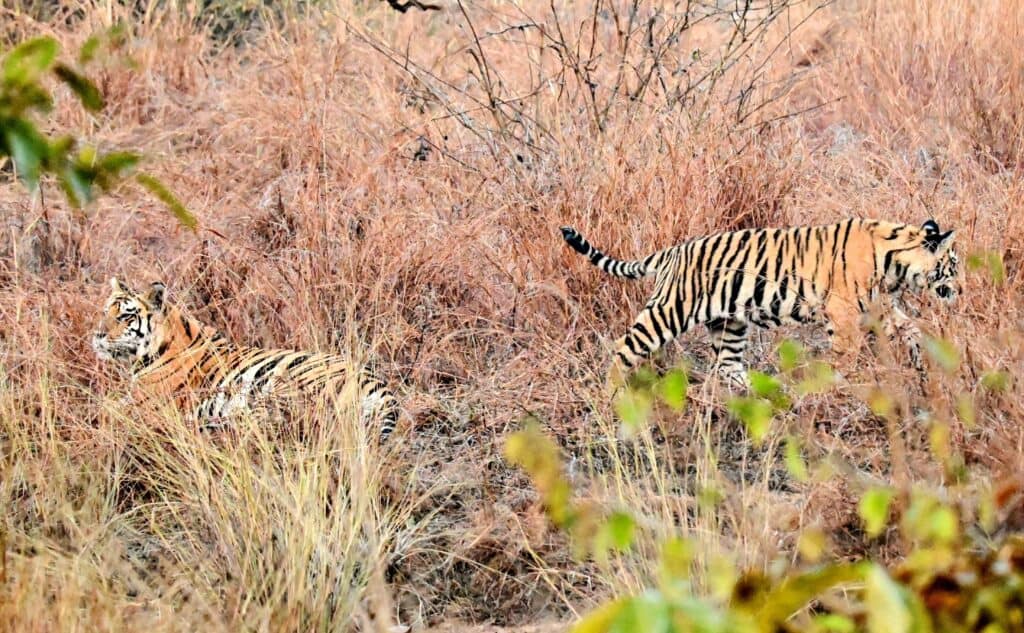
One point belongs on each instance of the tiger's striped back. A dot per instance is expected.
(175, 356)
(767, 277)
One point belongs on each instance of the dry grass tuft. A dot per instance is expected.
(409, 207)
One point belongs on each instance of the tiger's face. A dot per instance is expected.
(933, 265)
(132, 324)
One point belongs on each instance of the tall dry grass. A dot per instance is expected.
(299, 147)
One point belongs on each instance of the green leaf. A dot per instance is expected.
(722, 576)
(620, 527)
(938, 439)
(996, 380)
(88, 50)
(648, 612)
(692, 614)
(769, 388)
(709, 497)
(887, 608)
(965, 410)
(944, 526)
(791, 354)
(812, 544)
(28, 97)
(112, 38)
(764, 385)
(929, 520)
(643, 379)
(881, 403)
(798, 590)
(28, 61)
(601, 619)
(996, 268)
(755, 413)
(943, 353)
(117, 163)
(676, 557)
(874, 510)
(614, 533)
(633, 407)
(991, 260)
(672, 389)
(110, 168)
(834, 622)
(77, 184)
(539, 456)
(87, 92)
(795, 460)
(819, 377)
(158, 189)
(28, 149)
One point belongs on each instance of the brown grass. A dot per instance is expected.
(295, 149)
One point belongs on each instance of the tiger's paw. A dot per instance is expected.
(734, 379)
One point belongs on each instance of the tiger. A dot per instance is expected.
(173, 355)
(828, 275)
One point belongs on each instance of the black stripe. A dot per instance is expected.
(301, 358)
(262, 374)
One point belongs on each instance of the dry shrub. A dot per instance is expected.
(348, 202)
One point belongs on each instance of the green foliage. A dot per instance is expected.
(755, 414)
(538, 455)
(672, 389)
(990, 261)
(78, 170)
(944, 586)
(633, 407)
(943, 352)
(795, 463)
(996, 381)
(874, 510)
(164, 195)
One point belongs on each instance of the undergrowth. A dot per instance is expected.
(391, 184)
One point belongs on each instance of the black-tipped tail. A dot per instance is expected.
(612, 266)
(573, 238)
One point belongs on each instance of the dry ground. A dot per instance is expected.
(352, 197)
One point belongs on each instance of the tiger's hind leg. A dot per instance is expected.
(655, 326)
(729, 340)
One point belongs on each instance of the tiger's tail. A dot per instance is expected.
(617, 267)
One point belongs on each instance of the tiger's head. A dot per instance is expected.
(133, 325)
(933, 264)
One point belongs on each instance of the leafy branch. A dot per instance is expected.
(79, 169)
(948, 583)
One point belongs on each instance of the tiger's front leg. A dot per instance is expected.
(841, 322)
(897, 325)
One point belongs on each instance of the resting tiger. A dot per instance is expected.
(173, 355)
(824, 274)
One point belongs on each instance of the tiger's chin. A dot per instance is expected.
(108, 353)
(101, 351)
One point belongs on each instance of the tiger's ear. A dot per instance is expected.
(930, 227)
(118, 286)
(939, 243)
(155, 296)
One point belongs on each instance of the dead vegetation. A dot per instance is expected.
(366, 179)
